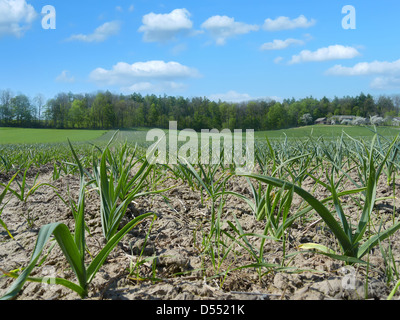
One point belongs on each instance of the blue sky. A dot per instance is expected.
(221, 49)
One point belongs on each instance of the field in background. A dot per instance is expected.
(30, 136)
(328, 132)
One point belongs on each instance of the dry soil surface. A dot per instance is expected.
(173, 264)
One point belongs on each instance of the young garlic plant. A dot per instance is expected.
(73, 246)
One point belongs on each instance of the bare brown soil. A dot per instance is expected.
(180, 270)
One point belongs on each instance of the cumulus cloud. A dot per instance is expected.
(324, 54)
(165, 27)
(65, 77)
(367, 68)
(101, 33)
(16, 16)
(281, 44)
(388, 73)
(285, 23)
(223, 27)
(126, 74)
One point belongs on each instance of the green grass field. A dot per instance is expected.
(327, 131)
(31, 136)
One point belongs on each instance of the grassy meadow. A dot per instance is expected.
(51, 136)
(327, 131)
(32, 136)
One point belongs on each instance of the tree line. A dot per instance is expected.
(106, 110)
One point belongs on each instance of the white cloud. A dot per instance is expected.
(151, 87)
(138, 87)
(164, 27)
(367, 68)
(230, 96)
(281, 44)
(176, 50)
(385, 83)
(16, 16)
(236, 97)
(285, 23)
(64, 77)
(388, 73)
(101, 33)
(131, 8)
(278, 60)
(129, 74)
(223, 27)
(324, 54)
